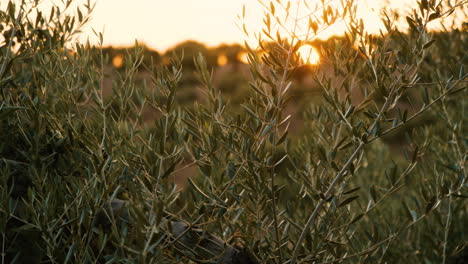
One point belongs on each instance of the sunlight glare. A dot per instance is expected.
(222, 60)
(243, 57)
(118, 61)
(309, 54)
(196, 21)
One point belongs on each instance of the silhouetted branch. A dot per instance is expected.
(194, 243)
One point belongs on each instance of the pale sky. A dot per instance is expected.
(162, 24)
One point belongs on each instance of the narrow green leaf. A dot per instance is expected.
(427, 45)
(424, 4)
(373, 193)
(409, 213)
(169, 170)
(282, 138)
(463, 196)
(348, 200)
(434, 16)
(266, 130)
(230, 170)
(351, 191)
(80, 15)
(412, 24)
(357, 218)
(431, 204)
(70, 253)
(281, 160)
(415, 155)
(461, 74)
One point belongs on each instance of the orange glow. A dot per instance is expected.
(243, 57)
(222, 60)
(118, 61)
(309, 54)
(195, 20)
(166, 60)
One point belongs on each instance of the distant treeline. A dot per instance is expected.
(233, 54)
(230, 53)
(189, 49)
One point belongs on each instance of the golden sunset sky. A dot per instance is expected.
(162, 24)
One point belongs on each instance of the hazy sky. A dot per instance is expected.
(163, 23)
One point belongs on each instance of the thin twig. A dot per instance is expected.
(320, 204)
(447, 229)
(337, 178)
(422, 110)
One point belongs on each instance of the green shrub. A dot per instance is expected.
(83, 179)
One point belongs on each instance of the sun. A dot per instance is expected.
(309, 54)
(243, 57)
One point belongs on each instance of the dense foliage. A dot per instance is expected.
(376, 175)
